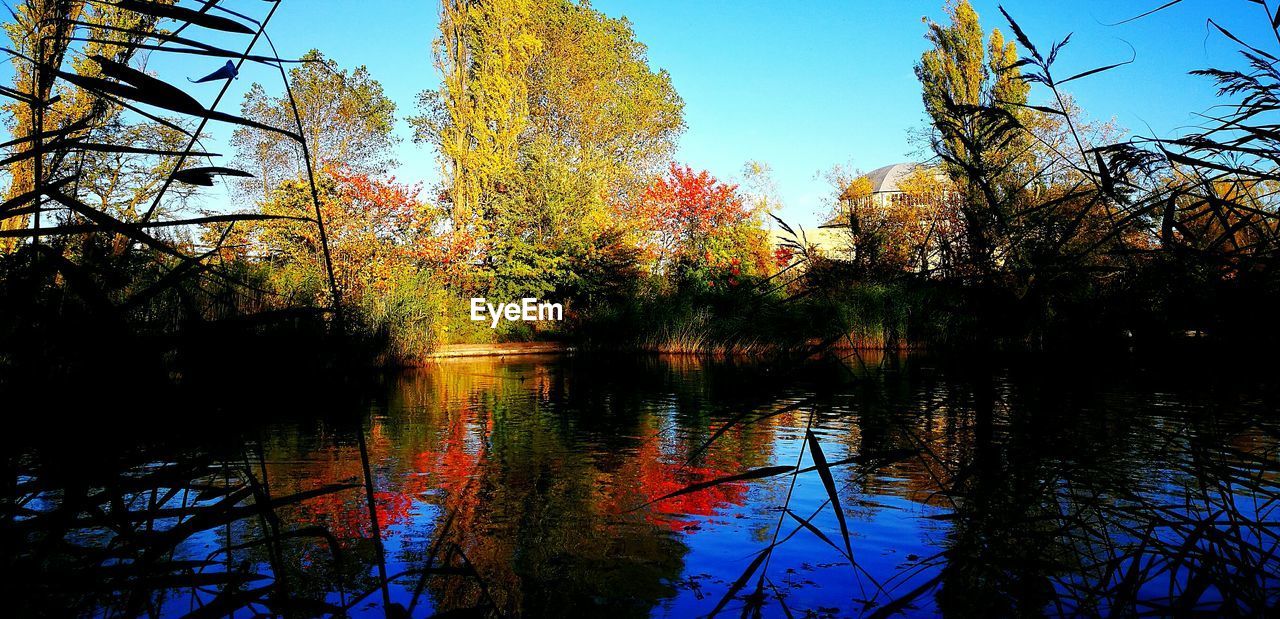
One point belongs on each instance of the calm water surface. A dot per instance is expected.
(535, 487)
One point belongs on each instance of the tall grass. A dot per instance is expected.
(752, 322)
(129, 271)
(1197, 542)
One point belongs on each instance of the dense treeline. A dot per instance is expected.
(1039, 227)
(1030, 225)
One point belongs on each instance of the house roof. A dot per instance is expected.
(887, 179)
(890, 177)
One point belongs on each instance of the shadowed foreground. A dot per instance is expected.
(534, 486)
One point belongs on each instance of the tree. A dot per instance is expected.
(935, 209)
(43, 31)
(548, 118)
(595, 105)
(346, 119)
(975, 98)
(375, 229)
(477, 115)
(125, 184)
(885, 232)
(693, 220)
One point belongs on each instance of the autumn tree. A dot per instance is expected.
(374, 225)
(548, 117)
(601, 124)
(692, 220)
(883, 233)
(974, 97)
(347, 120)
(595, 106)
(125, 184)
(476, 117)
(43, 32)
(931, 240)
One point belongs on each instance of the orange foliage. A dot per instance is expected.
(683, 209)
(378, 230)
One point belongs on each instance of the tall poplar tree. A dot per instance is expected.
(974, 97)
(547, 117)
(476, 117)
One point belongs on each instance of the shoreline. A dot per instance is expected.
(460, 351)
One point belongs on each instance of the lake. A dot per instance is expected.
(676, 486)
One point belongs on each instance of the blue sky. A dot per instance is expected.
(800, 85)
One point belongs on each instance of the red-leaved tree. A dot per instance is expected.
(682, 210)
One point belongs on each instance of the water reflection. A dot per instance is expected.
(532, 486)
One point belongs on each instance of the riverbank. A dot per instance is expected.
(453, 351)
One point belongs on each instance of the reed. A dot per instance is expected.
(71, 246)
(1087, 547)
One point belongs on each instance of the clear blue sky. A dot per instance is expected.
(800, 85)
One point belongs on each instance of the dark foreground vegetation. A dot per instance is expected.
(881, 486)
(1034, 227)
(124, 297)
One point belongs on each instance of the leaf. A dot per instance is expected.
(1204, 163)
(83, 123)
(108, 87)
(119, 148)
(19, 200)
(20, 96)
(879, 459)
(782, 600)
(1151, 12)
(1093, 72)
(824, 471)
(809, 526)
(901, 603)
(150, 90)
(213, 219)
(236, 120)
(1233, 37)
(739, 419)
(768, 471)
(1038, 108)
(194, 221)
(204, 176)
(101, 147)
(942, 517)
(200, 48)
(178, 13)
(182, 581)
(741, 581)
(226, 72)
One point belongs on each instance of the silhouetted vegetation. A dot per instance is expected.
(1031, 228)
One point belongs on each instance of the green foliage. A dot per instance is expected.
(596, 107)
(346, 118)
(406, 320)
(477, 115)
(547, 116)
(974, 98)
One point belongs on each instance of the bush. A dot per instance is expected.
(407, 319)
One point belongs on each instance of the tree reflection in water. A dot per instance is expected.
(535, 487)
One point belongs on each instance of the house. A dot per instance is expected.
(878, 201)
(886, 189)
